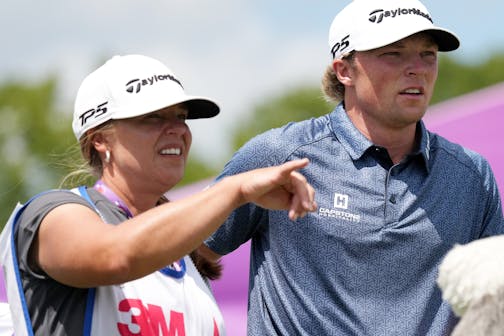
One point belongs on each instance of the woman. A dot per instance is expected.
(82, 275)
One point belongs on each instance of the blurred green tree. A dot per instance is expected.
(32, 134)
(457, 78)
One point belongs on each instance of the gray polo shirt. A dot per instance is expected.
(366, 262)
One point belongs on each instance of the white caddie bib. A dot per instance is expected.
(19, 316)
(157, 304)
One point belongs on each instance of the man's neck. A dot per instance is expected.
(399, 141)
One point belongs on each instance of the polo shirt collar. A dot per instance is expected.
(425, 144)
(356, 144)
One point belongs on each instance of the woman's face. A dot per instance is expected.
(152, 148)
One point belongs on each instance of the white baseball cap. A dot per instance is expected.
(130, 86)
(369, 24)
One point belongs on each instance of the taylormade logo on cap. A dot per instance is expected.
(369, 24)
(378, 15)
(135, 85)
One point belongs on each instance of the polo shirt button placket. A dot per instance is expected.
(391, 191)
(393, 199)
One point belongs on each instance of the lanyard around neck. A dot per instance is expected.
(112, 197)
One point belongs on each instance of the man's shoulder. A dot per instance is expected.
(278, 145)
(295, 133)
(469, 158)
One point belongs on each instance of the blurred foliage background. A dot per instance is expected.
(38, 147)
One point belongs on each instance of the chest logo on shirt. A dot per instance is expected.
(340, 203)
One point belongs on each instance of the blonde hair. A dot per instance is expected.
(90, 165)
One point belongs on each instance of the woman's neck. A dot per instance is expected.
(136, 200)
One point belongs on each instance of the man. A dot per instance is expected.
(393, 198)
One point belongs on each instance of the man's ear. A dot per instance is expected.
(343, 71)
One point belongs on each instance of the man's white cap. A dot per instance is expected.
(130, 86)
(369, 24)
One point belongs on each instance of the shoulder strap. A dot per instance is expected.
(82, 191)
(88, 315)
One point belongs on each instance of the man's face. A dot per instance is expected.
(392, 86)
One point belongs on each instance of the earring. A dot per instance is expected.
(107, 156)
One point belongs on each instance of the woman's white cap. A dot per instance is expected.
(130, 86)
(369, 24)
